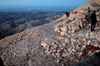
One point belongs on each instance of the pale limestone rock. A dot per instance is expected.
(64, 28)
(80, 53)
(84, 46)
(65, 50)
(48, 48)
(97, 13)
(55, 46)
(62, 33)
(57, 29)
(62, 48)
(64, 44)
(89, 42)
(65, 54)
(78, 46)
(98, 18)
(84, 39)
(73, 50)
(69, 49)
(65, 39)
(53, 54)
(59, 60)
(73, 39)
(58, 55)
(58, 50)
(54, 50)
(44, 45)
(96, 45)
(87, 34)
(48, 53)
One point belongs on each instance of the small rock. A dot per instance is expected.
(38, 47)
(80, 53)
(72, 39)
(48, 48)
(96, 45)
(77, 60)
(65, 50)
(59, 60)
(48, 53)
(63, 28)
(55, 46)
(89, 42)
(58, 55)
(53, 54)
(84, 46)
(58, 51)
(62, 33)
(84, 39)
(54, 50)
(44, 45)
(65, 54)
(64, 44)
(73, 50)
(97, 13)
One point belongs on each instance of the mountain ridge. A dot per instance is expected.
(63, 42)
(88, 4)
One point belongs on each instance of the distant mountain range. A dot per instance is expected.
(15, 22)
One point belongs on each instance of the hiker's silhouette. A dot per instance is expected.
(93, 20)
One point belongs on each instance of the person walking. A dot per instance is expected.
(67, 14)
(93, 20)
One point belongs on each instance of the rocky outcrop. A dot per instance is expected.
(77, 40)
(86, 5)
(69, 28)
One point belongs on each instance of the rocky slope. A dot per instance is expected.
(64, 42)
(88, 4)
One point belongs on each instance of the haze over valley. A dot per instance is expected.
(37, 8)
(15, 22)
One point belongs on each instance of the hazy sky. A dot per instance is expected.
(42, 2)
